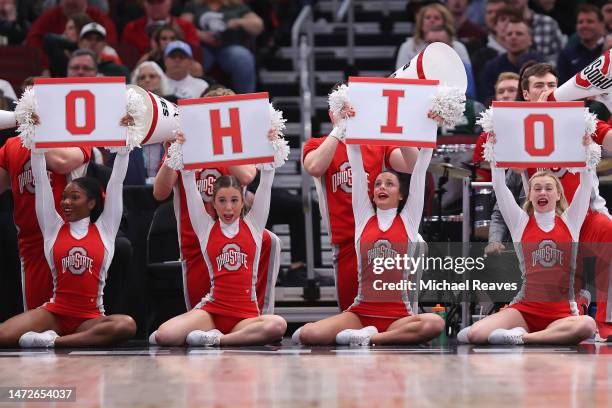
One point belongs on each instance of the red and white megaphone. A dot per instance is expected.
(7, 119)
(593, 80)
(159, 117)
(436, 61)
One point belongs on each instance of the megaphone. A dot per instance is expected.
(436, 61)
(591, 81)
(7, 119)
(159, 117)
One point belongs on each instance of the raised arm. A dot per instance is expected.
(577, 210)
(200, 220)
(48, 218)
(261, 204)
(317, 161)
(244, 173)
(513, 214)
(165, 179)
(362, 207)
(110, 219)
(413, 209)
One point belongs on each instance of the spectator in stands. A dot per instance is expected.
(82, 63)
(93, 38)
(547, 37)
(226, 29)
(13, 25)
(157, 14)
(476, 12)
(506, 89)
(54, 21)
(498, 16)
(59, 46)
(590, 28)
(159, 40)
(562, 11)
(443, 34)
(606, 10)
(470, 34)
(177, 58)
(518, 42)
(149, 76)
(429, 16)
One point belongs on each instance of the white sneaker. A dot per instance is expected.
(462, 336)
(34, 339)
(152, 339)
(204, 338)
(354, 337)
(503, 336)
(295, 337)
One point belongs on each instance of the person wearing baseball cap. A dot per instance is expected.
(177, 59)
(93, 38)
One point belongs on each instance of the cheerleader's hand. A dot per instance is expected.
(35, 118)
(439, 119)
(127, 120)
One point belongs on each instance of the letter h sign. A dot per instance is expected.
(225, 130)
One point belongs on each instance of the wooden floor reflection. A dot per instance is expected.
(320, 377)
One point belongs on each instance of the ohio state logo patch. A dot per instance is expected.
(77, 261)
(381, 249)
(547, 254)
(205, 183)
(231, 258)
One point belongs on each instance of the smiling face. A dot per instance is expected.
(228, 204)
(75, 203)
(387, 192)
(544, 194)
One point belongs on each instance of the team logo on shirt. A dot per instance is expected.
(381, 249)
(25, 179)
(595, 74)
(77, 261)
(547, 254)
(206, 182)
(231, 258)
(343, 178)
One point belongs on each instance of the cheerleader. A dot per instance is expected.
(231, 243)
(386, 226)
(544, 311)
(79, 252)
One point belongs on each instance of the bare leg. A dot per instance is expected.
(37, 320)
(566, 331)
(175, 331)
(101, 331)
(504, 319)
(324, 331)
(256, 330)
(411, 330)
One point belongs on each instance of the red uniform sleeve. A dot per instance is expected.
(387, 152)
(312, 144)
(601, 131)
(86, 154)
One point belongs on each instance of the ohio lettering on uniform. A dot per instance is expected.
(595, 74)
(77, 261)
(231, 258)
(547, 254)
(381, 249)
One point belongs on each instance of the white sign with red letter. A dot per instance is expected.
(226, 130)
(391, 111)
(539, 134)
(80, 112)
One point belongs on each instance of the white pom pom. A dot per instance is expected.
(135, 107)
(593, 155)
(590, 122)
(24, 110)
(486, 121)
(281, 151)
(488, 153)
(174, 158)
(449, 103)
(338, 100)
(277, 122)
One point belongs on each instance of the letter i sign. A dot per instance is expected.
(226, 130)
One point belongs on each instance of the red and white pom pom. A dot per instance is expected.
(449, 104)
(487, 152)
(486, 121)
(337, 100)
(135, 107)
(24, 110)
(590, 122)
(279, 144)
(277, 122)
(174, 158)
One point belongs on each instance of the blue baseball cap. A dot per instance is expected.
(180, 46)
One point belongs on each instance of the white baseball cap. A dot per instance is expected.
(93, 28)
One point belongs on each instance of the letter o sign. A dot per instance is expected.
(549, 139)
(90, 112)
